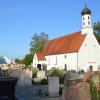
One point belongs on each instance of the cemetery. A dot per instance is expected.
(66, 69)
(18, 84)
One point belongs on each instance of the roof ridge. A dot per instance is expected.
(66, 35)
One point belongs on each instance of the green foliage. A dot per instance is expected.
(34, 73)
(28, 59)
(93, 90)
(59, 73)
(81, 72)
(98, 37)
(38, 41)
(18, 61)
(96, 28)
(44, 67)
(44, 82)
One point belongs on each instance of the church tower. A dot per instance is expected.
(86, 21)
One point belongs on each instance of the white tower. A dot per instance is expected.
(86, 21)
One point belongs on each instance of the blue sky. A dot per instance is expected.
(20, 19)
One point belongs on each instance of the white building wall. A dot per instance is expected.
(35, 61)
(72, 61)
(89, 53)
(60, 60)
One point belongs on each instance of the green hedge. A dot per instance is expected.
(94, 91)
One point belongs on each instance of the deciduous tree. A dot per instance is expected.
(96, 28)
(38, 41)
(28, 59)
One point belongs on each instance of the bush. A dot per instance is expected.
(61, 80)
(81, 72)
(44, 67)
(34, 73)
(93, 90)
(59, 73)
(44, 82)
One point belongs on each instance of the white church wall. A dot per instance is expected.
(60, 60)
(89, 53)
(35, 61)
(72, 61)
(52, 61)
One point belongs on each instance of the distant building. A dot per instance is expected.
(75, 51)
(5, 60)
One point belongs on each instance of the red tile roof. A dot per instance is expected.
(40, 56)
(65, 44)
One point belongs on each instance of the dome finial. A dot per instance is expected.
(86, 10)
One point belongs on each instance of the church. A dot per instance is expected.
(75, 51)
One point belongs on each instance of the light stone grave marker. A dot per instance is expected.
(41, 74)
(53, 86)
(25, 78)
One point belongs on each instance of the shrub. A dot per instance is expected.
(81, 72)
(34, 73)
(44, 67)
(93, 90)
(61, 80)
(44, 82)
(59, 73)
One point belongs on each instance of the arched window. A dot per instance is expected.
(88, 17)
(84, 23)
(65, 67)
(89, 22)
(65, 56)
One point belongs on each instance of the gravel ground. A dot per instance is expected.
(31, 93)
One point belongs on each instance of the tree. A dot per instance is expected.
(38, 41)
(28, 59)
(18, 61)
(96, 28)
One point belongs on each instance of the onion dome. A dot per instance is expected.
(85, 11)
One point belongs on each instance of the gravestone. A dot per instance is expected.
(25, 78)
(70, 75)
(53, 86)
(41, 74)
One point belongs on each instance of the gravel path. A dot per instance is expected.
(31, 93)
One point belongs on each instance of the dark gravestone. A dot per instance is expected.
(7, 88)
